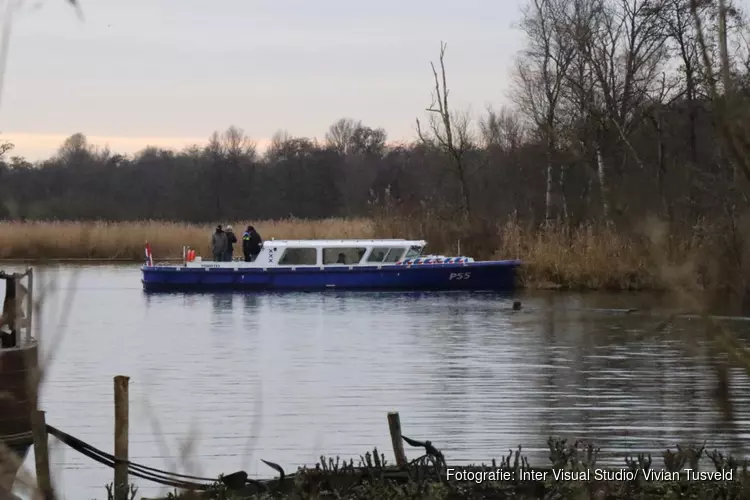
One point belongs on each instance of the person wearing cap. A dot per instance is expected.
(231, 240)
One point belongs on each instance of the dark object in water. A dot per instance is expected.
(516, 305)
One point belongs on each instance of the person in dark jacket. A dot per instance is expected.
(218, 244)
(251, 244)
(231, 240)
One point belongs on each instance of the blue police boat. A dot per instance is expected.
(309, 265)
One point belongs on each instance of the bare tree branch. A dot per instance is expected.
(448, 132)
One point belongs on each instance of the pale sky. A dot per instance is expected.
(134, 73)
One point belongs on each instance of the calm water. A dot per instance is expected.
(228, 379)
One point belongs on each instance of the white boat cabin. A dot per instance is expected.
(300, 253)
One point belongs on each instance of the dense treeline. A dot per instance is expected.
(619, 113)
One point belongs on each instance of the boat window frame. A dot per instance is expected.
(337, 249)
(372, 252)
(414, 248)
(286, 251)
(400, 255)
(388, 250)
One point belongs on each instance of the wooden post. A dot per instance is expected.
(394, 425)
(121, 437)
(41, 455)
(29, 304)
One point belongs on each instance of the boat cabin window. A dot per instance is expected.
(385, 254)
(413, 252)
(299, 257)
(343, 256)
(394, 255)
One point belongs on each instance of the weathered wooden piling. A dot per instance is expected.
(29, 302)
(121, 437)
(41, 455)
(394, 426)
(19, 376)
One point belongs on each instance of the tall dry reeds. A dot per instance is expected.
(125, 240)
(598, 257)
(559, 256)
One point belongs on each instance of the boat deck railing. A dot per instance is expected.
(17, 308)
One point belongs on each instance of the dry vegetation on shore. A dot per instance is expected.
(588, 257)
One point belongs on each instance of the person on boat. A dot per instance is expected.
(251, 244)
(231, 240)
(342, 259)
(218, 244)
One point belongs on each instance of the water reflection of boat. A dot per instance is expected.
(18, 359)
(397, 265)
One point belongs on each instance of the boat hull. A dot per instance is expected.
(472, 276)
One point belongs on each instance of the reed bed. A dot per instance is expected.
(554, 256)
(125, 240)
(595, 258)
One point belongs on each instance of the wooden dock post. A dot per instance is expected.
(41, 455)
(29, 303)
(121, 437)
(394, 426)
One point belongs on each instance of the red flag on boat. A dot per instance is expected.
(149, 256)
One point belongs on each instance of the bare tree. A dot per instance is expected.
(502, 129)
(503, 134)
(76, 150)
(350, 137)
(340, 134)
(662, 97)
(680, 30)
(448, 132)
(276, 148)
(368, 141)
(5, 146)
(622, 46)
(238, 145)
(284, 146)
(577, 108)
(731, 126)
(541, 74)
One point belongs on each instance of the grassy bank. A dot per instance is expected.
(430, 478)
(586, 257)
